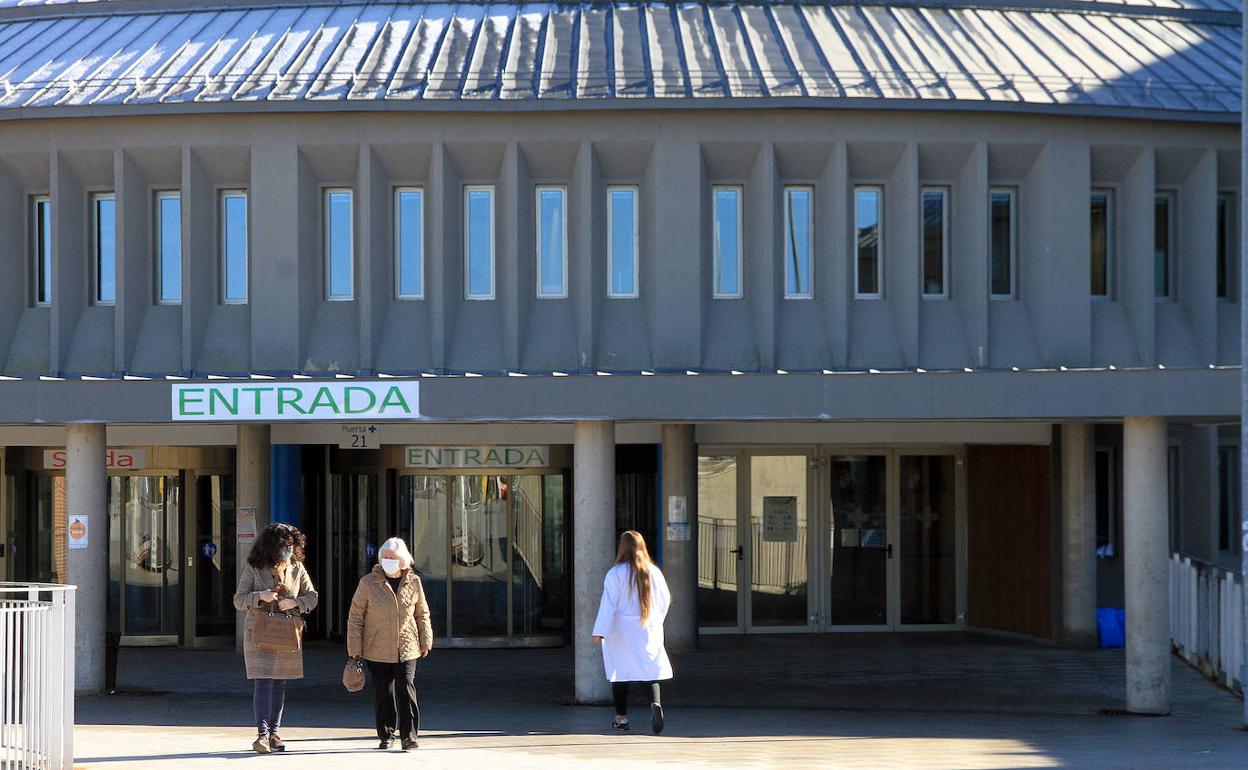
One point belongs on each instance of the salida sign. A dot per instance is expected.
(116, 459)
(305, 401)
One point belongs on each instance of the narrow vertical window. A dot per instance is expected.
(479, 242)
(339, 245)
(935, 241)
(1163, 245)
(798, 237)
(727, 208)
(552, 242)
(868, 210)
(168, 248)
(1226, 257)
(41, 249)
(104, 236)
(233, 247)
(1101, 243)
(622, 248)
(409, 243)
(1003, 243)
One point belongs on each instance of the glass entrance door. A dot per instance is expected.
(145, 567)
(860, 552)
(352, 522)
(211, 549)
(928, 540)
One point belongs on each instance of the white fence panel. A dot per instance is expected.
(36, 676)
(1206, 618)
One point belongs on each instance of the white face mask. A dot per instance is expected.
(390, 566)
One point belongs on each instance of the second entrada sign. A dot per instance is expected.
(477, 456)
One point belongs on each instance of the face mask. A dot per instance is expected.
(287, 553)
(390, 566)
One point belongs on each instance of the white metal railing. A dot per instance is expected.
(36, 676)
(1207, 618)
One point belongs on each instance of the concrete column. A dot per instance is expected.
(252, 462)
(593, 548)
(680, 557)
(1146, 561)
(86, 482)
(1078, 537)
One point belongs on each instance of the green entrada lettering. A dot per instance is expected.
(184, 399)
(216, 396)
(324, 399)
(346, 399)
(394, 397)
(289, 397)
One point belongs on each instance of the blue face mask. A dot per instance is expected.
(287, 553)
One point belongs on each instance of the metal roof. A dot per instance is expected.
(1178, 57)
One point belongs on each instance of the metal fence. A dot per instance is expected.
(1207, 618)
(36, 676)
(778, 567)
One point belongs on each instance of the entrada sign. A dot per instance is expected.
(477, 456)
(306, 401)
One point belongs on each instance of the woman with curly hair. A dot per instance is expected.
(274, 579)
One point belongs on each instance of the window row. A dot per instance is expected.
(623, 257)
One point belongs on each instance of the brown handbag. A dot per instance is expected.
(353, 675)
(277, 631)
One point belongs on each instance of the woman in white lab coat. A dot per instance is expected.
(629, 627)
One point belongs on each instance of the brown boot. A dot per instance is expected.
(261, 746)
(276, 743)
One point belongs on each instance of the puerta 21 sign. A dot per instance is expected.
(295, 401)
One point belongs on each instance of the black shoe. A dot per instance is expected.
(619, 726)
(385, 744)
(409, 745)
(656, 718)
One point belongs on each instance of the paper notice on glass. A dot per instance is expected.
(780, 519)
(246, 524)
(678, 509)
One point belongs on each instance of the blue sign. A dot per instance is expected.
(370, 550)
(209, 549)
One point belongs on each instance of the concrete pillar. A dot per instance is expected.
(1146, 561)
(593, 548)
(252, 461)
(1078, 537)
(680, 557)
(86, 483)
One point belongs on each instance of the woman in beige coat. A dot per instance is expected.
(274, 575)
(389, 628)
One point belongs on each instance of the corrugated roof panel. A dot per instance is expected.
(1016, 76)
(628, 44)
(1029, 59)
(234, 73)
(705, 77)
(264, 77)
(770, 54)
(152, 86)
(909, 59)
(220, 55)
(337, 75)
(307, 64)
(37, 49)
(412, 72)
(379, 63)
(593, 70)
(482, 78)
(520, 70)
(1203, 70)
(734, 53)
(817, 78)
(558, 55)
(852, 75)
(448, 70)
(951, 70)
(1116, 71)
(1086, 84)
(667, 70)
(892, 81)
(1153, 75)
(970, 58)
(68, 78)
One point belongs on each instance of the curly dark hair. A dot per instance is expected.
(267, 550)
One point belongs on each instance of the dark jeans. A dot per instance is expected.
(394, 699)
(619, 693)
(269, 701)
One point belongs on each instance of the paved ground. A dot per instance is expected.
(852, 701)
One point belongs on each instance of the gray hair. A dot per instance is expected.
(396, 546)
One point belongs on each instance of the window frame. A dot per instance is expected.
(468, 295)
(158, 262)
(96, 242)
(397, 227)
(1012, 192)
(1112, 500)
(878, 189)
(1172, 219)
(716, 256)
(538, 189)
(946, 194)
(1229, 260)
(223, 195)
(809, 189)
(41, 250)
(327, 193)
(1228, 511)
(1111, 243)
(635, 190)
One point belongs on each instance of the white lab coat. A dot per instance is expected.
(631, 651)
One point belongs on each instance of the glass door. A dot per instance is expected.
(858, 574)
(354, 538)
(145, 567)
(928, 515)
(211, 548)
(721, 553)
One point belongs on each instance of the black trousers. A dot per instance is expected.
(619, 693)
(394, 699)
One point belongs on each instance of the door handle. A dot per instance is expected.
(739, 551)
(888, 550)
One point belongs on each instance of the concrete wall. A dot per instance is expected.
(674, 157)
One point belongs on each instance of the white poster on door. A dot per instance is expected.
(246, 524)
(780, 519)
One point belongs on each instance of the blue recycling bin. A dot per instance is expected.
(1111, 627)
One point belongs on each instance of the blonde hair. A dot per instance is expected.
(632, 551)
(396, 546)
